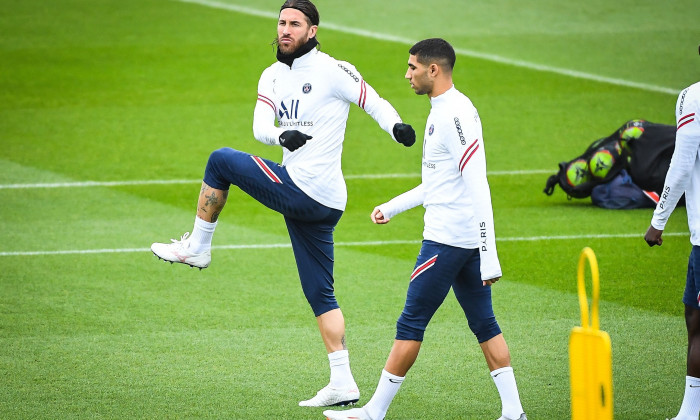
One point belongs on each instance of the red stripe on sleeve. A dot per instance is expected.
(363, 95)
(268, 101)
(685, 122)
(465, 158)
(470, 156)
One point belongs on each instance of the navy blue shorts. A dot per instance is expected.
(438, 268)
(691, 296)
(310, 224)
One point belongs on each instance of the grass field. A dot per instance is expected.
(109, 110)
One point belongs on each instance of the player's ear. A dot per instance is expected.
(433, 69)
(313, 30)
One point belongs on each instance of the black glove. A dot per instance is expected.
(293, 139)
(404, 134)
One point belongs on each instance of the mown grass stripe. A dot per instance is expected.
(84, 184)
(337, 244)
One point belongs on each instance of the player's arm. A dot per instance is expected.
(465, 143)
(679, 171)
(355, 89)
(265, 129)
(384, 212)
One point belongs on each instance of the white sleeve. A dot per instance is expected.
(354, 89)
(403, 202)
(684, 156)
(466, 146)
(265, 114)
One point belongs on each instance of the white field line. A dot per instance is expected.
(337, 244)
(84, 184)
(469, 53)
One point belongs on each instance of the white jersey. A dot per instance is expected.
(684, 173)
(454, 188)
(314, 97)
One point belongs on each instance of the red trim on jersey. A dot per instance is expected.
(421, 268)
(268, 101)
(363, 95)
(463, 161)
(652, 195)
(273, 177)
(688, 119)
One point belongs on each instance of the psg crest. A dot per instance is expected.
(306, 88)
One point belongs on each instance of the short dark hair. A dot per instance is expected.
(305, 7)
(434, 50)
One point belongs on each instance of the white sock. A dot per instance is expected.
(202, 233)
(341, 376)
(387, 388)
(690, 408)
(508, 390)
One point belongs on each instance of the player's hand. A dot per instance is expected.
(404, 134)
(293, 139)
(489, 282)
(653, 236)
(377, 217)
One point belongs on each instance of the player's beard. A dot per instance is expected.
(293, 47)
(422, 85)
(420, 90)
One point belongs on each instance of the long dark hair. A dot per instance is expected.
(304, 6)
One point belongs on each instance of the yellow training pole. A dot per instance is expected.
(590, 354)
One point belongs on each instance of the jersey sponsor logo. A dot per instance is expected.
(680, 105)
(296, 123)
(431, 130)
(306, 88)
(459, 131)
(291, 112)
(351, 74)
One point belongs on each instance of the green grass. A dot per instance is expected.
(127, 90)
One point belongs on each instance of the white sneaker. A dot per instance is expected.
(522, 417)
(328, 396)
(352, 414)
(177, 252)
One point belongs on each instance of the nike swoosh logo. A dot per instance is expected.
(692, 386)
(394, 381)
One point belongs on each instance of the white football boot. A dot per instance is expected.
(522, 417)
(178, 252)
(352, 414)
(329, 396)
